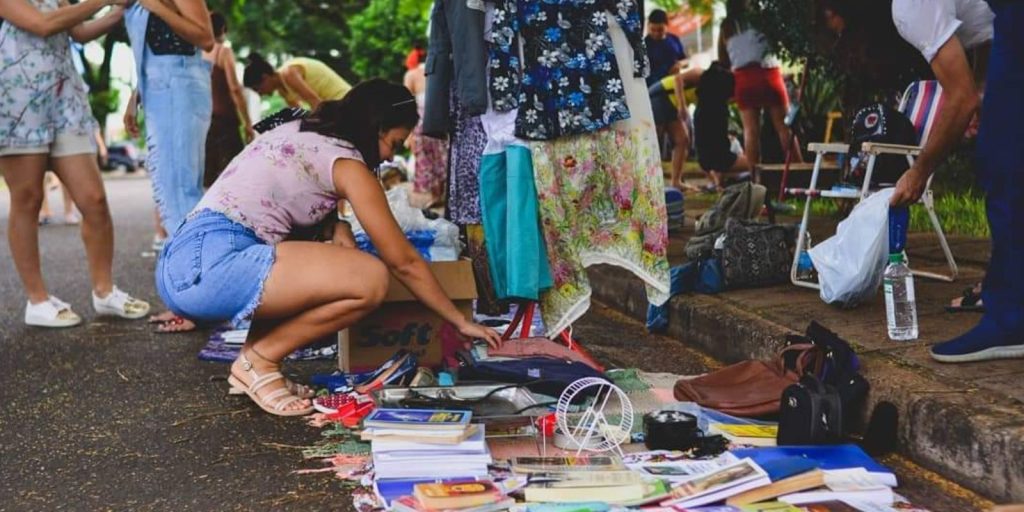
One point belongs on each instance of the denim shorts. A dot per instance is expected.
(213, 269)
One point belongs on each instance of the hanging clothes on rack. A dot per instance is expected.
(568, 81)
(466, 147)
(456, 57)
(487, 302)
(508, 203)
(602, 201)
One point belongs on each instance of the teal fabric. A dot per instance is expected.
(515, 245)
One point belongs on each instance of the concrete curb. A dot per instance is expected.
(972, 439)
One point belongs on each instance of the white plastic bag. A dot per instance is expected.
(851, 263)
(444, 244)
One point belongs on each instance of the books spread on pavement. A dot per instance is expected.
(557, 464)
(751, 435)
(418, 419)
(718, 485)
(411, 504)
(462, 494)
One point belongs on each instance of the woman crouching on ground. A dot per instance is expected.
(230, 259)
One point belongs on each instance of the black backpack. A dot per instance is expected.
(879, 123)
(810, 413)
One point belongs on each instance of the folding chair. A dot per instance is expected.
(921, 103)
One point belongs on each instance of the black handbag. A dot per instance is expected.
(810, 413)
(840, 369)
(756, 254)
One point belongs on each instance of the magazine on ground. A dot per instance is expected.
(718, 485)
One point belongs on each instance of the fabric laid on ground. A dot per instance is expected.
(219, 351)
(602, 201)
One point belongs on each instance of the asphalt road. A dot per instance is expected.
(112, 416)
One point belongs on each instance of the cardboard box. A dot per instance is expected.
(402, 321)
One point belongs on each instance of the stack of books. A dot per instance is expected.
(580, 479)
(421, 443)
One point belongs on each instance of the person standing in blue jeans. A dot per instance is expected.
(1000, 162)
(174, 90)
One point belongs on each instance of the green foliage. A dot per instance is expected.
(104, 103)
(383, 34)
(307, 28)
(788, 25)
(822, 94)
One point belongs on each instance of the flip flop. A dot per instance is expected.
(970, 302)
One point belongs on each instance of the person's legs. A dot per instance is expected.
(680, 151)
(313, 290)
(70, 215)
(778, 117)
(24, 177)
(178, 114)
(751, 118)
(1000, 163)
(81, 178)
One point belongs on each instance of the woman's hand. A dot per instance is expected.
(475, 331)
(343, 236)
(131, 120)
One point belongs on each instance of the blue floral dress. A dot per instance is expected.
(568, 82)
(41, 93)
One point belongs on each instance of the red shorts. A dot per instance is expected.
(758, 87)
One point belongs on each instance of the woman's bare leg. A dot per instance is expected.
(778, 117)
(680, 151)
(751, 134)
(81, 177)
(313, 290)
(24, 176)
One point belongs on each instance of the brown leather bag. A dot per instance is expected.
(750, 388)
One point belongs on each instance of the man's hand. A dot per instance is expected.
(910, 188)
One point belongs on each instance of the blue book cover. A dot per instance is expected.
(841, 456)
(785, 467)
(418, 419)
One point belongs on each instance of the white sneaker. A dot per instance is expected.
(119, 303)
(158, 243)
(51, 313)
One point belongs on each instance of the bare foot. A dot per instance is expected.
(975, 295)
(162, 317)
(175, 325)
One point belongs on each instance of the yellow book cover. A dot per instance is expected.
(759, 431)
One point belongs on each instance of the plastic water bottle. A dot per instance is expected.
(804, 265)
(900, 307)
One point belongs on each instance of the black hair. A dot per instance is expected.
(657, 16)
(870, 49)
(219, 23)
(716, 84)
(370, 108)
(256, 70)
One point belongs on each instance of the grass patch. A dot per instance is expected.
(960, 213)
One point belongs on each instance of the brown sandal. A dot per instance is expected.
(275, 402)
